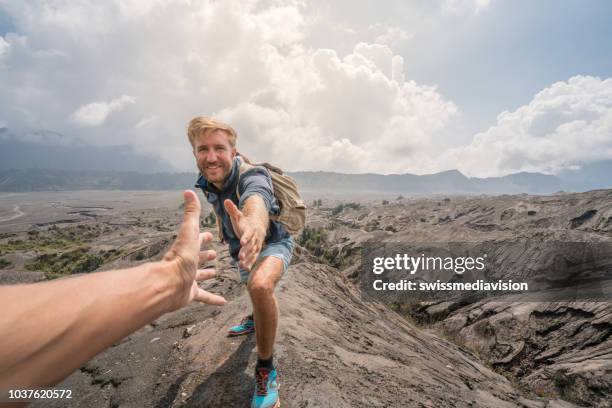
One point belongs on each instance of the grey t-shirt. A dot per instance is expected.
(255, 181)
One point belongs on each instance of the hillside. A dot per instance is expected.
(335, 347)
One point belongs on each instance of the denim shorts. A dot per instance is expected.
(282, 250)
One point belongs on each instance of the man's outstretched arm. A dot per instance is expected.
(50, 329)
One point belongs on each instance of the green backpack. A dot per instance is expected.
(292, 208)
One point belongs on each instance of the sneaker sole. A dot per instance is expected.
(242, 333)
(277, 405)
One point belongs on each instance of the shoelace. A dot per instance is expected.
(261, 379)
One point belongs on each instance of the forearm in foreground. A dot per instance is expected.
(50, 329)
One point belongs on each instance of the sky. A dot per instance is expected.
(488, 87)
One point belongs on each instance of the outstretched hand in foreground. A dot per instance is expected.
(186, 255)
(50, 329)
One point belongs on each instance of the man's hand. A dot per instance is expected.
(185, 255)
(250, 232)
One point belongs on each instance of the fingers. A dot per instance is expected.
(231, 208)
(209, 298)
(204, 274)
(250, 247)
(190, 227)
(247, 236)
(192, 206)
(209, 255)
(248, 256)
(206, 256)
(233, 211)
(205, 238)
(248, 264)
(249, 251)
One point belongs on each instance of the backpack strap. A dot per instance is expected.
(244, 167)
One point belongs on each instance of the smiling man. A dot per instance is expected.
(260, 247)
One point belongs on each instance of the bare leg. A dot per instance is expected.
(261, 284)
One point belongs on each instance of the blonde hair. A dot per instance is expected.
(203, 124)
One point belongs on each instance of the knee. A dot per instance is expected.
(260, 287)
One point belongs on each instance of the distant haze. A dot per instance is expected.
(51, 161)
(49, 150)
(449, 182)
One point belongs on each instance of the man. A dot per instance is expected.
(50, 329)
(261, 248)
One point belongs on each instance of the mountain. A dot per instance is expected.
(445, 182)
(45, 160)
(448, 182)
(60, 180)
(535, 183)
(590, 176)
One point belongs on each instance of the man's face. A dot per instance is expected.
(214, 156)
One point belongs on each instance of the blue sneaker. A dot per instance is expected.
(246, 326)
(266, 389)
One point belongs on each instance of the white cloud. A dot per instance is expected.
(146, 122)
(4, 46)
(278, 24)
(564, 126)
(346, 114)
(465, 6)
(389, 35)
(96, 113)
(296, 105)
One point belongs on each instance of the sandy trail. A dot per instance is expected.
(17, 213)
